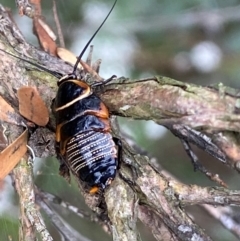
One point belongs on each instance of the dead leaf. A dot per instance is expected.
(8, 114)
(11, 155)
(67, 56)
(31, 105)
(45, 35)
(47, 29)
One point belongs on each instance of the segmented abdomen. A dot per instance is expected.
(92, 156)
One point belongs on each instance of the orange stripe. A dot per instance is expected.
(88, 92)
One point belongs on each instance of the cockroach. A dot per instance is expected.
(84, 144)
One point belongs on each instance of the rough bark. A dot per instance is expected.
(205, 116)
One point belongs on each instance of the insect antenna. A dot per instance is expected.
(90, 40)
(54, 73)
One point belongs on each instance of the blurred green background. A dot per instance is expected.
(195, 41)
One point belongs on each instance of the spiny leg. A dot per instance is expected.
(100, 83)
(63, 168)
(198, 166)
(118, 143)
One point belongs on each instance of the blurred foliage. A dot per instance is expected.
(8, 229)
(160, 37)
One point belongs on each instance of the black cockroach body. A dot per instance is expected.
(83, 140)
(84, 144)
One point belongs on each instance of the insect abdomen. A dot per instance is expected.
(92, 156)
(83, 140)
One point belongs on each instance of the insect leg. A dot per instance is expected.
(118, 143)
(63, 168)
(31, 159)
(132, 167)
(99, 83)
(98, 113)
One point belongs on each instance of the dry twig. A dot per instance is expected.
(31, 218)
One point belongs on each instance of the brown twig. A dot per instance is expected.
(67, 233)
(53, 199)
(198, 166)
(176, 104)
(226, 216)
(25, 8)
(58, 25)
(31, 218)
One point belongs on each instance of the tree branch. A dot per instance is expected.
(204, 116)
(31, 219)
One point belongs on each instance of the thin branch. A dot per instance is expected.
(123, 214)
(226, 216)
(59, 29)
(172, 103)
(198, 166)
(191, 195)
(50, 198)
(30, 215)
(67, 233)
(152, 221)
(25, 8)
(157, 200)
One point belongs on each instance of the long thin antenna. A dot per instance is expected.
(54, 73)
(90, 40)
